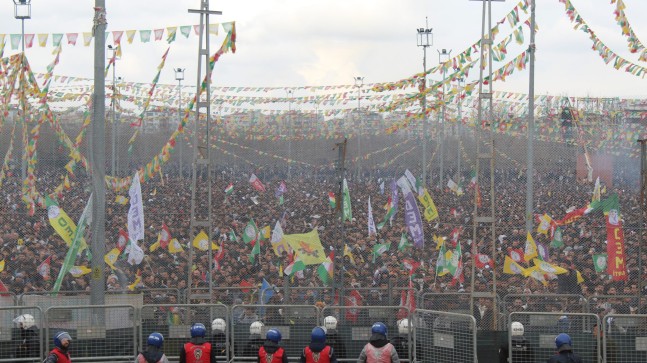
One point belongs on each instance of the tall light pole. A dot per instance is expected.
(179, 77)
(113, 161)
(441, 116)
(289, 93)
(22, 11)
(425, 40)
(531, 123)
(359, 82)
(461, 87)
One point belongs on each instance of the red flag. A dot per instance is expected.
(408, 301)
(165, 236)
(3, 288)
(458, 276)
(480, 260)
(456, 233)
(571, 216)
(45, 267)
(411, 265)
(479, 199)
(516, 254)
(219, 256)
(122, 242)
(354, 299)
(256, 183)
(245, 283)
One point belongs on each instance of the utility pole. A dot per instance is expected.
(441, 116)
(359, 82)
(113, 106)
(425, 39)
(339, 256)
(289, 93)
(461, 89)
(201, 180)
(642, 209)
(530, 170)
(179, 77)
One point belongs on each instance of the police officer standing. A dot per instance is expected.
(318, 351)
(153, 353)
(333, 338)
(255, 341)
(271, 352)
(60, 352)
(197, 350)
(219, 338)
(522, 352)
(401, 341)
(565, 353)
(29, 338)
(378, 349)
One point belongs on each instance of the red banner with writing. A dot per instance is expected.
(616, 260)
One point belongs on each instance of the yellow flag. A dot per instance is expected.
(544, 224)
(439, 241)
(307, 247)
(154, 246)
(132, 286)
(78, 271)
(174, 246)
(62, 224)
(121, 200)
(201, 242)
(347, 252)
(112, 256)
(266, 232)
(1, 265)
(430, 210)
(580, 279)
(536, 273)
(281, 270)
(550, 268)
(530, 251)
(512, 268)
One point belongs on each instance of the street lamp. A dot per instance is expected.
(179, 77)
(461, 88)
(446, 55)
(113, 161)
(359, 82)
(425, 39)
(289, 94)
(22, 11)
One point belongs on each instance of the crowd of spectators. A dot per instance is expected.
(26, 241)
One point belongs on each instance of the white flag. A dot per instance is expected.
(371, 223)
(136, 211)
(135, 253)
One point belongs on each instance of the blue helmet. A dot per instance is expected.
(563, 342)
(60, 337)
(198, 330)
(273, 335)
(379, 328)
(155, 339)
(318, 335)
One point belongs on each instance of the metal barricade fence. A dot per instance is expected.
(17, 344)
(354, 328)
(299, 295)
(624, 338)
(44, 300)
(540, 330)
(99, 332)
(446, 301)
(617, 304)
(571, 303)
(159, 295)
(295, 322)
(373, 296)
(174, 322)
(8, 299)
(231, 295)
(444, 337)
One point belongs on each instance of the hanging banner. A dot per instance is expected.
(430, 211)
(616, 262)
(412, 214)
(136, 211)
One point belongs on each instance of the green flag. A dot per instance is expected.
(441, 264)
(600, 262)
(255, 251)
(250, 233)
(452, 264)
(404, 242)
(380, 248)
(348, 211)
(296, 266)
(72, 252)
(557, 241)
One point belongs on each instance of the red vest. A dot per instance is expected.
(197, 353)
(61, 357)
(378, 355)
(321, 357)
(277, 357)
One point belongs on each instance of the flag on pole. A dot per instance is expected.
(404, 242)
(201, 242)
(452, 265)
(78, 271)
(371, 223)
(229, 190)
(256, 250)
(557, 240)
(111, 257)
(256, 183)
(250, 233)
(390, 211)
(600, 262)
(441, 263)
(596, 191)
(325, 270)
(510, 267)
(175, 246)
(44, 268)
(380, 248)
(353, 300)
(331, 200)
(348, 210)
(295, 266)
(530, 251)
(411, 265)
(548, 267)
(481, 261)
(135, 253)
(136, 211)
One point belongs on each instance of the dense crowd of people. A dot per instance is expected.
(27, 241)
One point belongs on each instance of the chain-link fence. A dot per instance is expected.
(444, 337)
(20, 333)
(99, 333)
(174, 322)
(624, 337)
(541, 329)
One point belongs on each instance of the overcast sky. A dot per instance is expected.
(314, 43)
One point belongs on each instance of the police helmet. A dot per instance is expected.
(318, 335)
(273, 335)
(256, 327)
(379, 328)
(218, 325)
(60, 337)
(403, 326)
(155, 339)
(563, 342)
(516, 329)
(330, 322)
(198, 330)
(24, 321)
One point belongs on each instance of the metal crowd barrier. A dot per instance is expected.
(231, 295)
(17, 345)
(571, 303)
(105, 333)
(174, 321)
(540, 330)
(354, 327)
(456, 302)
(624, 338)
(444, 337)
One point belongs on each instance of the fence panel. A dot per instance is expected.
(174, 322)
(354, 328)
(614, 304)
(99, 332)
(572, 303)
(294, 321)
(625, 338)
(540, 330)
(44, 300)
(450, 302)
(17, 344)
(444, 337)
(228, 295)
